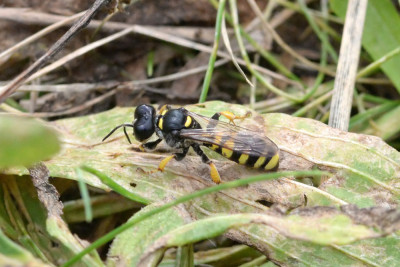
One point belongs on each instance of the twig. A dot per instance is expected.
(161, 34)
(316, 13)
(82, 87)
(347, 66)
(225, 37)
(79, 52)
(200, 47)
(254, 81)
(47, 193)
(76, 109)
(175, 76)
(54, 49)
(29, 17)
(72, 87)
(37, 35)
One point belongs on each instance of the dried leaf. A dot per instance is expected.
(47, 193)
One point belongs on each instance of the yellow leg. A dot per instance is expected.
(164, 109)
(141, 148)
(164, 162)
(231, 116)
(214, 173)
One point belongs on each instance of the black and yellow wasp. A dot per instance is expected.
(182, 129)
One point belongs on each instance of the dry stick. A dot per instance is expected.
(29, 17)
(151, 33)
(32, 101)
(62, 61)
(71, 87)
(54, 49)
(72, 110)
(37, 35)
(107, 85)
(155, 32)
(204, 48)
(278, 19)
(82, 87)
(347, 65)
(76, 109)
(175, 76)
(254, 81)
(318, 14)
(79, 52)
(225, 38)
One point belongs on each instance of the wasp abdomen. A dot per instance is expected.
(250, 155)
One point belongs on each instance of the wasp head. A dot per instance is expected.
(143, 125)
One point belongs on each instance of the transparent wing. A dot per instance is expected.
(208, 122)
(230, 136)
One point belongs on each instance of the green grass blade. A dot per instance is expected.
(85, 195)
(108, 237)
(213, 56)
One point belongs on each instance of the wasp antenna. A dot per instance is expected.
(116, 128)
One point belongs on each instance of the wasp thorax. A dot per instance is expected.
(143, 126)
(174, 119)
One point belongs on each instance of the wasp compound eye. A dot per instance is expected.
(143, 126)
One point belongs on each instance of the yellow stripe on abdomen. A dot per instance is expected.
(214, 147)
(243, 158)
(188, 121)
(260, 161)
(272, 163)
(227, 153)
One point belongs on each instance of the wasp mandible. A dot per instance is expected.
(182, 129)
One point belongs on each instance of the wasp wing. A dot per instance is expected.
(230, 136)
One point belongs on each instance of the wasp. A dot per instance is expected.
(182, 129)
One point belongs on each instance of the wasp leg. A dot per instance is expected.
(180, 156)
(149, 145)
(164, 109)
(230, 116)
(213, 170)
(164, 162)
(177, 156)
